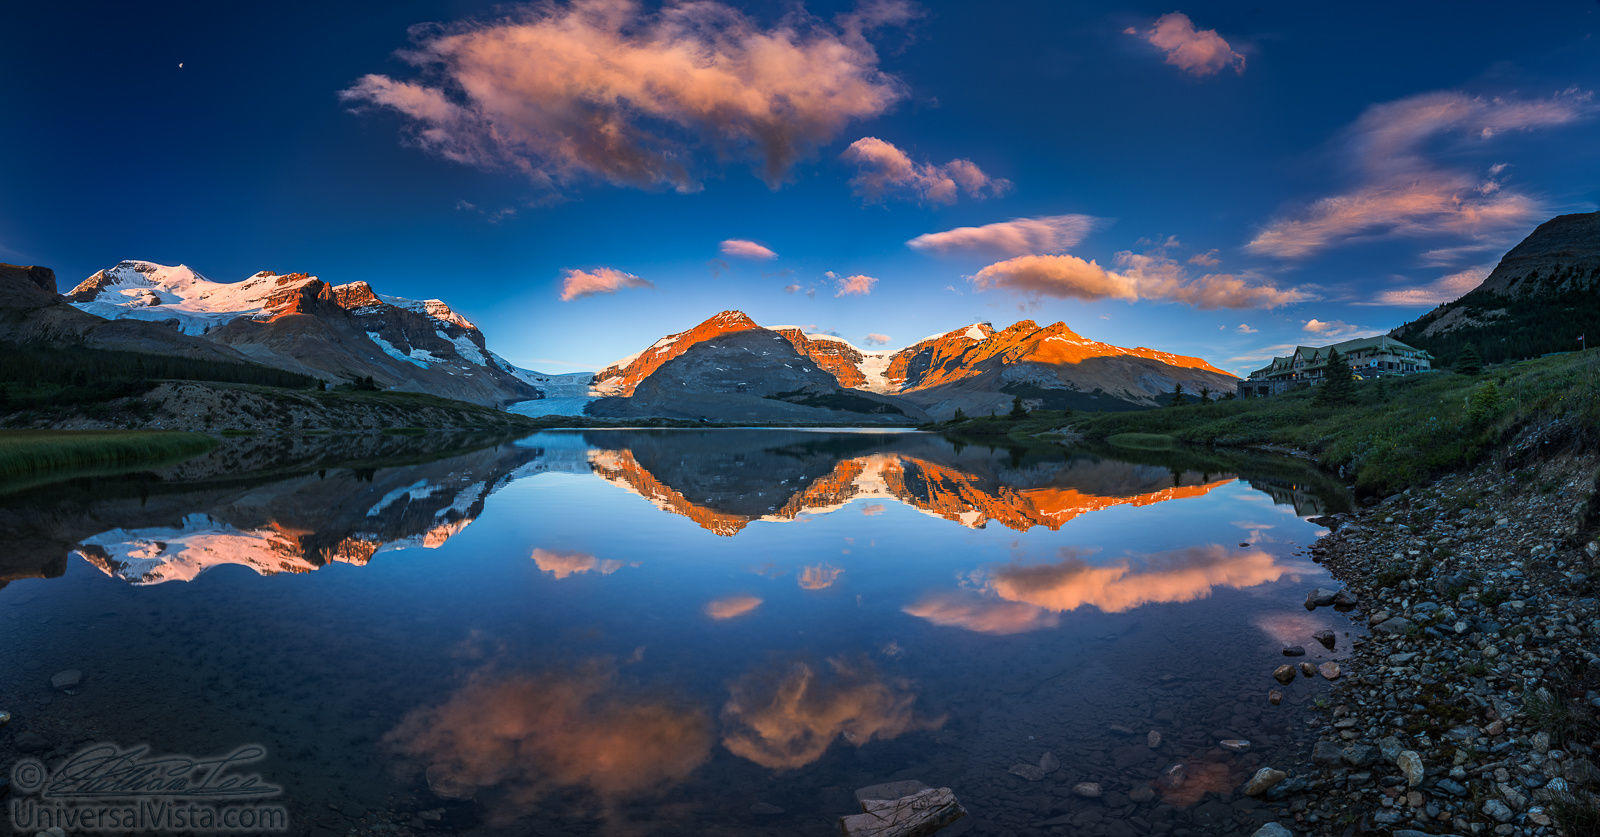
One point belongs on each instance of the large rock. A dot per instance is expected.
(1265, 779)
(918, 814)
(1394, 625)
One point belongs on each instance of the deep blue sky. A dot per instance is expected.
(246, 158)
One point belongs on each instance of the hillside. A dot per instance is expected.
(1396, 433)
(1540, 298)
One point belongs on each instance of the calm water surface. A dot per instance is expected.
(694, 632)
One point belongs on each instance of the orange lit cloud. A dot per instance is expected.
(1139, 276)
(635, 95)
(982, 614)
(732, 606)
(567, 564)
(743, 249)
(1198, 52)
(819, 576)
(1179, 576)
(1439, 291)
(883, 170)
(1017, 237)
(1401, 192)
(788, 718)
(857, 285)
(520, 738)
(876, 339)
(601, 280)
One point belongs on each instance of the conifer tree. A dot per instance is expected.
(1338, 383)
(1177, 395)
(1469, 362)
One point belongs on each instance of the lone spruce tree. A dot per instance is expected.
(1177, 396)
(1017, 410)
(1338, 384)
(1469, 362)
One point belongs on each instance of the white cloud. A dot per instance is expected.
(1337, 329)
(883, 170)
(1244, 328)
(1016, 237)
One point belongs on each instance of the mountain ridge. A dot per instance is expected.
(969, 368)
(301, 323)
(1541, 296)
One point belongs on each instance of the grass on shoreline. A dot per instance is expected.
(1398, 433)
(27, 455)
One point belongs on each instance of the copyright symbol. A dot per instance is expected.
(28, 775)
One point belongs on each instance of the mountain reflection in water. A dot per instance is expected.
(516, 639)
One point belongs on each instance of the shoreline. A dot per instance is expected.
(1470, 707)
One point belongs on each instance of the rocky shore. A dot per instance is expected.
(1472, 703)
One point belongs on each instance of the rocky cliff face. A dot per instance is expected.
(620, 378)
(975, 368)
(834, 356)
(31, 312)
(298, 322)
(748, 374)
(1542, 295)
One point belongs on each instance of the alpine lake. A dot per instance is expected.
(680, 631)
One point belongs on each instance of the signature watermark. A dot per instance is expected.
(105, 787)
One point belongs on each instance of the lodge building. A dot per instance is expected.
(1369, 357)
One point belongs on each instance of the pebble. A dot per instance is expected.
(1329, 670)
(1088, 790)
(1234, 745)
(1410, 765)
(1325, 637)
(68, 679)
(1272, 829)
(1153, 740)
(1283, 674)
(1294, 651)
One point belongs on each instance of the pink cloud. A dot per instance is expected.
(747, 249)
(857, 285)
(1058, 276)
(1139, 276)
(732, 607)
(1401, 192)
(883, 170)
(876, 339)
(1198, 52)
(567, 564)
(1439, 291)
(818, 576)
(981, 614)
(609, 89)
(1019, 236)
(601, 280)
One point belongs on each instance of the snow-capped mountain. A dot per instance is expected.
(298, 322)
(975, 368)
